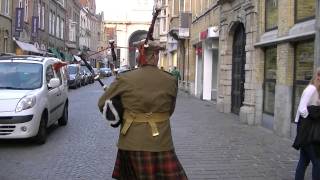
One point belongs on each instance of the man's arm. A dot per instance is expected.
(116, 88)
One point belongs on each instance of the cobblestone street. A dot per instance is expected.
(209, 144)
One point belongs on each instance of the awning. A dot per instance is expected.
(55, 52)
(27, 47)
(77, 58)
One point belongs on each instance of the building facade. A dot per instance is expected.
(286, 49)
(57, 27)
(251, 58)
(73, 25)
(204, 50)
(6, 43)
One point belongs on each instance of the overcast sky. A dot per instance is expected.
(130, 10)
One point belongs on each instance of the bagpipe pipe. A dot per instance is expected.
(113, 109)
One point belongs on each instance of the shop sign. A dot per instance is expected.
(213, 32)
(199, 50)
(203, 35)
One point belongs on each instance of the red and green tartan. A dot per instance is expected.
(143, 165)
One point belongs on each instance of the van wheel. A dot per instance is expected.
(41, 137)
(64, 119)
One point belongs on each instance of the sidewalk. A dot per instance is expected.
(213, 145)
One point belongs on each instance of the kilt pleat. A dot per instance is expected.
(143, 165)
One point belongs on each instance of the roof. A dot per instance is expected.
(25, 57)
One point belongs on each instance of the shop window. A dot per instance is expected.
(304, 59)
(271, 14)
(304, 10)
(270, 77)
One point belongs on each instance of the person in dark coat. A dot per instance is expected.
(145, 146)
(308, 129)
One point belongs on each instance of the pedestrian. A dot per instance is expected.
(175, 72)
(307, 119)
(145, 145)
(162, 69)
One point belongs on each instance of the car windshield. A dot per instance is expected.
(22, 76)
(72, 70)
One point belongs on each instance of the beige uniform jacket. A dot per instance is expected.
(144, 90)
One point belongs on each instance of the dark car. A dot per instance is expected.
(74, 80)
(90, 76)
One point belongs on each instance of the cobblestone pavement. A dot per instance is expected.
(210, 145)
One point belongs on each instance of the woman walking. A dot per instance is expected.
(307, 119)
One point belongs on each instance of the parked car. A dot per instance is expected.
(90, 76)
(84, 76)
(74, 76)
(33, 96)
(105, 72)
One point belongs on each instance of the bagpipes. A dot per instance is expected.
(143, 46)
(113, 109)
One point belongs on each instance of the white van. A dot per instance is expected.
(33, 96)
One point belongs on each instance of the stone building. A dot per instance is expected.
(204, 48)
(238, 61)
(285, 61)
(57, 25)
(6, 43)
(73, 25)
(179, 38)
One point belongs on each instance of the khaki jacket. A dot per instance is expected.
(144, 90)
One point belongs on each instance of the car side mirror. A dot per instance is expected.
(54, 82)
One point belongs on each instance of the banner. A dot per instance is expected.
(19, 19)
(35, 25)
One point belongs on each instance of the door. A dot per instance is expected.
(63, 88)
(238, 71)
(200, 76)
(53, 96)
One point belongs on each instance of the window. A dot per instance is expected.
(26, 10)
(50, 22)
(304, 10)
(39, 15)
(304, 59)
(181, 6)
(270, 77)
(20, 3)
(42, 17)
(58, 27)
(5, 7)
(271, 18)
(61, 29)
(175, 7)
(53, 23)
(49, 73)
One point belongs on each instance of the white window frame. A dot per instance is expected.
(50, 22)
(61, 28)
(53, 23)
(39, 14)
(58, 27)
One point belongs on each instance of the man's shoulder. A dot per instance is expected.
(126, 72)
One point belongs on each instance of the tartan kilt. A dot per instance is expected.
(144, 165)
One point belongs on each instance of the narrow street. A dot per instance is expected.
(209, 144)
